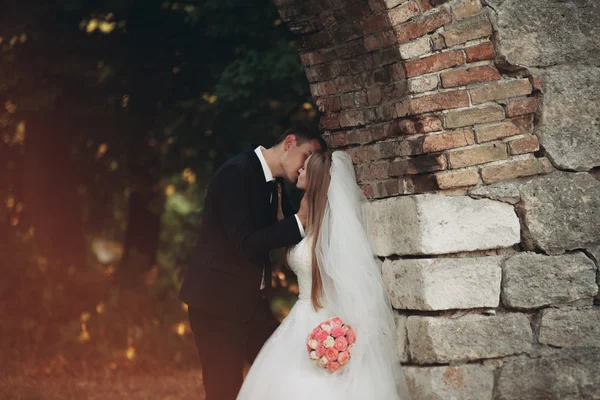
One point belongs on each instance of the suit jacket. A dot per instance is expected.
(239, 228)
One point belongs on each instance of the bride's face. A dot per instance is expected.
(301, 184)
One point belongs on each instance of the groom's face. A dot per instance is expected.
(295, 155)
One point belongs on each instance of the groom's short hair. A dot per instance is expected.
(303, 134)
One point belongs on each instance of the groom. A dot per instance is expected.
(246, 215)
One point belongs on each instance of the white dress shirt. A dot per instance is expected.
(269, 178)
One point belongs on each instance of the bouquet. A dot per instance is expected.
(330, 344)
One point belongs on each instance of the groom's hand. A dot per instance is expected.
(303, 212)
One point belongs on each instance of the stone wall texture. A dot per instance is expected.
(474, 127)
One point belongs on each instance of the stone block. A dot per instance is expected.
(435, 224)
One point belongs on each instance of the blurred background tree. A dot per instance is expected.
(113, 117)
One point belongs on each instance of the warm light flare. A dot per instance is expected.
(102, 149)
(130, 353)
(170, 190)
(100, 308)
(180, 329)
(189, 176)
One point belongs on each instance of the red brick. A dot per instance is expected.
(319, 73)
(330, 121)
(403, 13)
(375, 24)
(515, 169)
(455, 179)
(392, 149)
(372, 43)
(322, 89)
(504, 129)
(500, 90)
(427, 5)
(483, 51)
(372, 171)
(433, 102)
(434, 63)
(367, 190)
(418, 165)
(477, 155)
(352, 118)
(316, 41)
(421, 124)
(361, 154)
(387, 38)
(448, 140)
(311, 58)
(361, 136)
(386, 188)
(347, 84)
(339, 139)
(518, 107)
(377, 6)
(328, 104)
(397, 72)
(524, 145)
(476, 28)
(465, 77)
(423, 25)
(536, 82)
(374, 95)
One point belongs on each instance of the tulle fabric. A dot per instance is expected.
(353, 291)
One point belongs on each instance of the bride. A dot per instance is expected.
(338, 276)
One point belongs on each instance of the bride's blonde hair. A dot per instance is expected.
(317, 184)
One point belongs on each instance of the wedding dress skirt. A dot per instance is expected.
(283, 369)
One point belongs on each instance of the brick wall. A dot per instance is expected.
(414, 92)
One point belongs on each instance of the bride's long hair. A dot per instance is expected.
(317, 185)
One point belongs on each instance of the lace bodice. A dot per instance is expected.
(300, 261)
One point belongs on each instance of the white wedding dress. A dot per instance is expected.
(354, 291)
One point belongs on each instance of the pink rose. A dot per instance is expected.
(334, 366)
(337, 332)
(331, 354)
(336, 322)
(351, 336)
(321, 350)
(315, 331)
(340, 343)
(346, 328)
(321, 336)
(343, 358)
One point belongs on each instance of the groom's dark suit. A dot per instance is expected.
(228, 313)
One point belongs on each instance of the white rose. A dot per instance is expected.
(313, 344)
(326, 328)
(329, 342)
(323, 360)
(313, 355)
